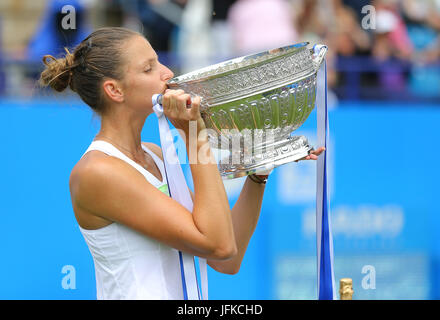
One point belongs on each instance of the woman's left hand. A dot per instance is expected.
(313, 155)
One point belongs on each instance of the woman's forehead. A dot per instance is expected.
(139, 46)
(139, 52)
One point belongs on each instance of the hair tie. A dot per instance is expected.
(89, 44)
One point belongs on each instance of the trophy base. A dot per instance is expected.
(285, 151)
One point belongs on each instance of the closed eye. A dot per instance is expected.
(150, 67)
(150, 64)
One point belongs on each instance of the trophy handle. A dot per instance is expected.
(318, 54)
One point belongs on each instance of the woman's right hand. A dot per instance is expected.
(180, 109)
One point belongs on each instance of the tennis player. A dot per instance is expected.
(119, 193)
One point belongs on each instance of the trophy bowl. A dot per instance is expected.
(252, 104)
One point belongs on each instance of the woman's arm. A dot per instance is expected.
(245, 214)
(111, 189)
(211, 210)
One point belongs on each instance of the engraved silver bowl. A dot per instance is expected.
(252, 104)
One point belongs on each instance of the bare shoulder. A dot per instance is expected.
(79, 171)
(89, 163)
(94, 177)
(155, 148)
(95, 171)
(82, 176)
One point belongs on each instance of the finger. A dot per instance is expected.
(318, 152)
(172, 92)
(170, 97)
(195, 108)
(178, 92)
(309, 157)
(182, 105)
(166, 100)
(172, 108)
(170, 103)
(183, 99)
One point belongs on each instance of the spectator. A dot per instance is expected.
(391, 36)
(349, 38)
(259, 25)
(52, 36)
(313, 20)
(220, 30)
(391, 41)
(194, 39)
(357, 6)
(315, 23)
(423, 21)
(158, 19)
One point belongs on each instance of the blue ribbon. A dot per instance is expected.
(326, 281)
(179, 191)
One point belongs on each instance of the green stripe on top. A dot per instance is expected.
(164, 188)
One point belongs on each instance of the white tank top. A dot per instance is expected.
(128, 264)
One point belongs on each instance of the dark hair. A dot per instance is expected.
(97, 57)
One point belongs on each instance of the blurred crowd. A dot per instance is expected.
(378, 49)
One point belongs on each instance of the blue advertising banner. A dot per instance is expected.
(383, 179)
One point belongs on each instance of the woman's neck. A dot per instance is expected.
(123, 131)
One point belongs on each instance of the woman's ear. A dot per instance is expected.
(113, 90)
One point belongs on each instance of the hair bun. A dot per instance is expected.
(58, 72)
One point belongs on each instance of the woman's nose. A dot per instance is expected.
(167, 74)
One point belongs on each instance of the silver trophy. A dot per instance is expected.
(252, 104)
